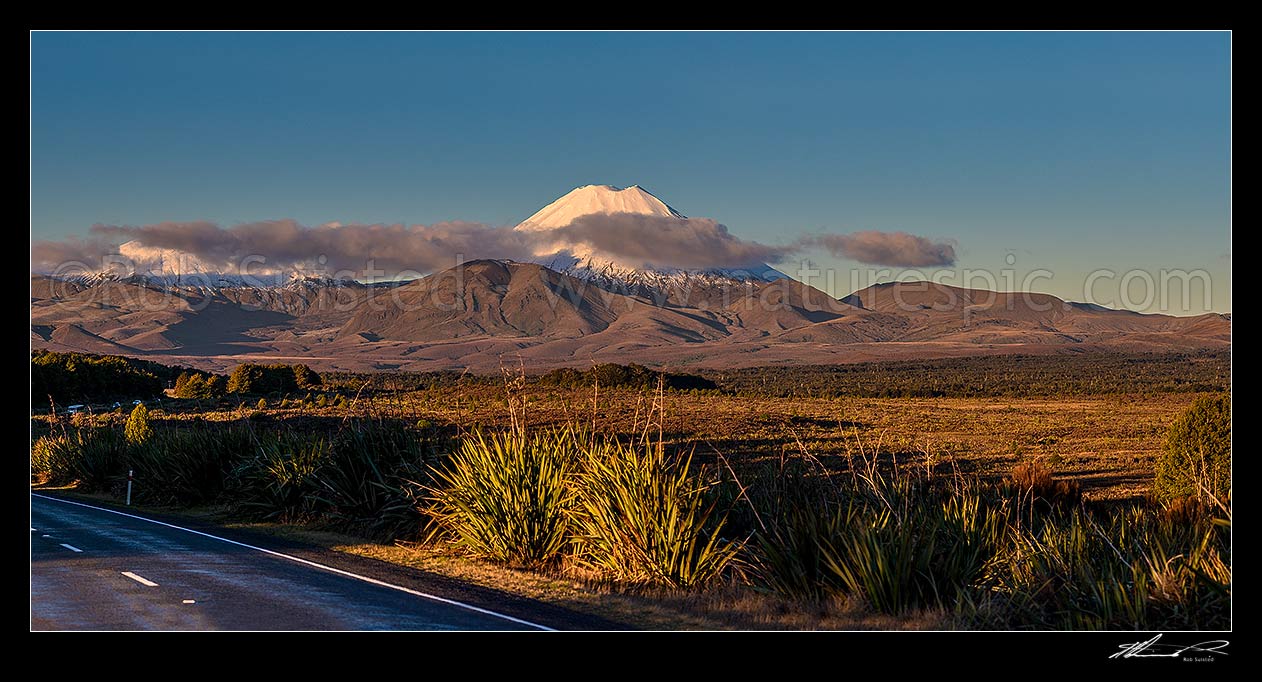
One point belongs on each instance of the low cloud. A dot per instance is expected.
(52, 256)
(285, 245)
(897, 249)
(386, 251)
(661, 241)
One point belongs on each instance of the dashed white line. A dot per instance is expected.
(189, 601)
(143, 581)
(71, 547)
(34, 529)
(48, 536)
(356, 576)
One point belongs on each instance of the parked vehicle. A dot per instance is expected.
(74, 409)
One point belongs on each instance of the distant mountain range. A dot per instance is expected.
(488, 313)
(574, 305)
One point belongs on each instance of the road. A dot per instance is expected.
(94, 568)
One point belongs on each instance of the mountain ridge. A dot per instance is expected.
(479, 313)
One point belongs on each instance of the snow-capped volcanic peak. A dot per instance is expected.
(582, 260)
(590, 199)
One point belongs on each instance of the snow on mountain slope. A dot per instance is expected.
(175, 269)
(590, 199)
(583, 261)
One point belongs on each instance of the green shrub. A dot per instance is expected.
(198, 386)
(258, 379)
(644, 517)
(195, 387)
(1196, 460)
(507, 497)
(988, 375)
(137, 430)
(304, 377)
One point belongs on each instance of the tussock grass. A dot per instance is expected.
(645, 517)
(632, 514)
(1009, 555)
(372, 478)
(187, 467)
(793, 508)
(279, 482)
(508, 496)
(1132, 569)
(1032, 484)
(92, 457)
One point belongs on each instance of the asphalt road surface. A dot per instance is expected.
(99, 569)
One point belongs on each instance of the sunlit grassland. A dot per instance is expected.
(810, 512)
(1108, 443)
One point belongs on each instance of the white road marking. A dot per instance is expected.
(48, 536)
(139, 579)
(356, 576)
(34, 529)
(189, 601)
(71, 547)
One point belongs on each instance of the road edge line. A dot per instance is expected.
(307, 562)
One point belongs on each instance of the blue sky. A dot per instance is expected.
(1069, 152)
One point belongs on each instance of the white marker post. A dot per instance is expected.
(129, 476)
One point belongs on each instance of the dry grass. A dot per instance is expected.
(1107, 444)
(1034, 480)
(726, 607)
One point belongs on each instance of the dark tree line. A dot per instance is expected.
(254, 379)
(199, 385)
(987, 376)
(622, 376)
(81, 377)
(86, 378)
